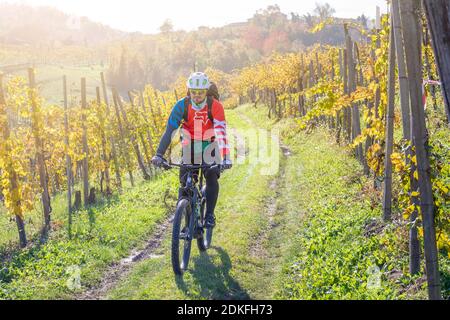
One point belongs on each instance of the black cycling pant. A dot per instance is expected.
(212, 177)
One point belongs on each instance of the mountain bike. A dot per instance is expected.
(189, 220)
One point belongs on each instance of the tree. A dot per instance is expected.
(135, 74)
(166, 27)
(309, 19)
(270, 10)
(270, 18)
(295, 17)
(118, 74)
(276, 41)
(254, 37)
(363, 20)
(324, 11)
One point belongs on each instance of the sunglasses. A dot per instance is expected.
(198, 92)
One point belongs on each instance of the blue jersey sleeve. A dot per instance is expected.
(173, 124)
(177, 115)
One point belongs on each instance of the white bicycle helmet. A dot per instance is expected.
(198, 81)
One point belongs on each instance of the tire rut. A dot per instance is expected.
(258, 249)
(272, 211)
(120, 270)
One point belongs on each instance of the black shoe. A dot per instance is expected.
(210, 221)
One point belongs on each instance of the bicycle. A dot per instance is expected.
(191, 210)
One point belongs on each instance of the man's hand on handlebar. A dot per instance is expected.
(226, 165)
(158, 161)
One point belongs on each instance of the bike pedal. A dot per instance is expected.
(184, 236)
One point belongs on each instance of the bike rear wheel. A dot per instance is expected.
(181, 237)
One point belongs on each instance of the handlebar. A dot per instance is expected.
(169, 165)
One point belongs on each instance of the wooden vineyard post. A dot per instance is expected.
(111, 137)
(387, 190)
(409, 10)
(68, 158)
(437, 12)
(141, 135)
(147, 123)
(105, 157)
(347, 115)
(36, 128)
(133, 140)
(414, 245)
(123, 141)
(403, 78)
(356, 124)
(152, 113)
(85, 143)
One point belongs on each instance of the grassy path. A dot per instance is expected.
(229, 270)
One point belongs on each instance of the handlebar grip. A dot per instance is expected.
(166, 166)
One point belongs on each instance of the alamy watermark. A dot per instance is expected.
(373, 278)
(74, 278)
(255, 147)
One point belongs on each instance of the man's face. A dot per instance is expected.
(198, 96)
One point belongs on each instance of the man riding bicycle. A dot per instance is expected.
(204, 138)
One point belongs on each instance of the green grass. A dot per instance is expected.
(49, 81)
(332, 253)
(324, 249)
(34, 219)
(102, 235)
(333, 247)
(322, 237)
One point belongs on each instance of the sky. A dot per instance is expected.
(148, 15)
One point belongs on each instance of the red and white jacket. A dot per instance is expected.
(198, 127)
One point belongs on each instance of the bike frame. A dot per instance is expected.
(195, 195)
(194, 216)
(195, 200)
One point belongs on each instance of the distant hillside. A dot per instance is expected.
(22, 24)
(161, 59)
(47, 36)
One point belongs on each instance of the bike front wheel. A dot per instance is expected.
(181, 237)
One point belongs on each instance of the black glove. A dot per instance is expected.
(158, 161)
